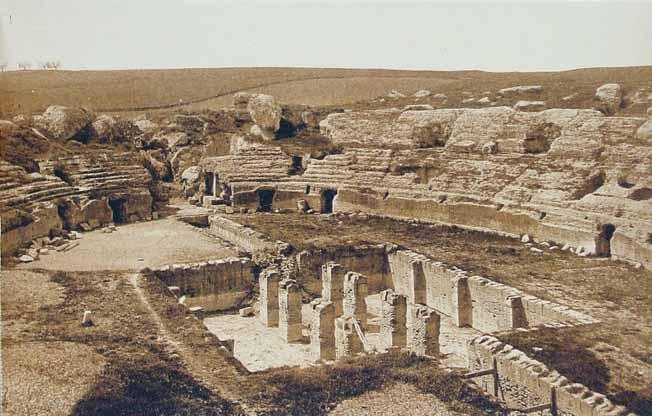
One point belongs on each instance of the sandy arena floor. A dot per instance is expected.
(135, 246)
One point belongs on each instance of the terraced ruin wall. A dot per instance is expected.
(214, 285)
(524, 382)
(473, 300)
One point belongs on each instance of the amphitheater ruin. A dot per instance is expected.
(304, 236)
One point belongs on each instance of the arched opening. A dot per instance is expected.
(603, 243)
(119, 208)
(327, 197)
(265, 199)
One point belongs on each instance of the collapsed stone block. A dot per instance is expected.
(332, 275)
(289, 310)
(393, 310)
(347, 340)
(268, 282)
(322, 330)
(355, 293)
(423, 331)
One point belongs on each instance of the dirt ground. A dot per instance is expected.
(615, 293)
(192, 89)
(135, 246)
(391, 400)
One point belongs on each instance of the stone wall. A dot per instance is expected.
(245, 238)
(524, 382)
(368, 260)
(214, 285)
(474, 300)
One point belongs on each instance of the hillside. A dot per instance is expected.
(140, 90)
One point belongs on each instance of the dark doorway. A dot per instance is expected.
(118, 206)
(603, 243)
(297, 166)
(327, 197)
(209, 179)
(265, 199)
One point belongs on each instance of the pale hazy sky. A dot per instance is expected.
(493, 36)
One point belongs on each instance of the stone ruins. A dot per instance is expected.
(579, 180)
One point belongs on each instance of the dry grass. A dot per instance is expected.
(315, 391)
(127, 91)
(118, 366)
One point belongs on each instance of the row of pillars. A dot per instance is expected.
(340, 315)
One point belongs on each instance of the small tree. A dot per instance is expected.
(3, 66)
(24, 65)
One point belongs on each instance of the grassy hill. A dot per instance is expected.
(26, 92)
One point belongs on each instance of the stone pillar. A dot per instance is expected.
(322, 330)
(416, 282)
(461, 307)
(393, 310)
(268, 283)
(355, 295)
(332, 281)
(347, 341)
(214, 184)
(423, 331)
(289, 310)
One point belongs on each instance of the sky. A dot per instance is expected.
(429, 35)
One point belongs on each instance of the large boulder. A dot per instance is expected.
(609, 97)
(524, 105)
(105, 128)
(174, 140)
(189, 123)
(65, 123)
(190, 176)
(645, 131)
(157, 165)
(146, 126)
(422, 93)
(265, 112)
(520, 90)
(7, 128)
(241, 99)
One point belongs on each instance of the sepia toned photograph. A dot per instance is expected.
(325, 208)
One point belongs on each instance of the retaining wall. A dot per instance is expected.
(476, 301)
(524, 382)
(214, 285)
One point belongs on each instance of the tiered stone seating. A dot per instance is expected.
(254, 164)
(21, 191)
(103, 174)
(361, 167)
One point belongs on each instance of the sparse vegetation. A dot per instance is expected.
(315, 391)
